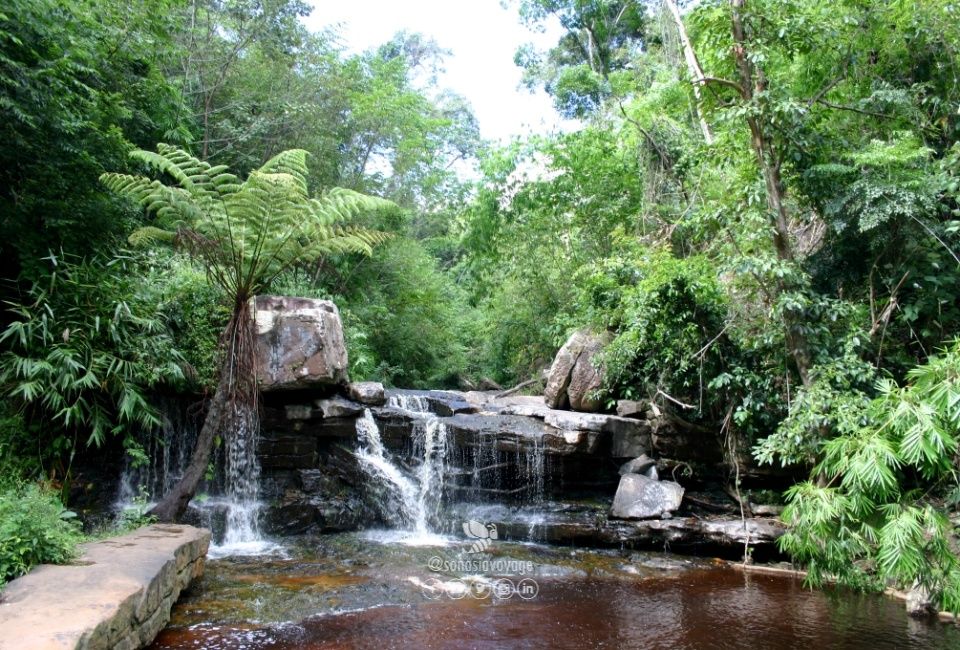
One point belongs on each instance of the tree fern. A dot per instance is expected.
(245, 234)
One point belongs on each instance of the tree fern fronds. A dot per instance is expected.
(292, 162)
(246, 232)
(151, 235)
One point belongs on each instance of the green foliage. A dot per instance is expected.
(135, 514)
(83, 350)
(194, 311)
(18, 458)
(79, 82)
(405, 323)
(246, 234)
(835, 402)
(35, 529)
(668, 315)
(873, 517)
(545, 209)
(599, 38)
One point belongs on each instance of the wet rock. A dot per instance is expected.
(449, 406)
(627, 408)
(299, 343)
(630, 441)
(639, 497)
(287, 452)
(510, 433)
(370, 393)
(338, 407)
(641, 465)
(439, 402)
(741, 531)
(584, 525)
(298, 411)
(555, 395)
(320, 499)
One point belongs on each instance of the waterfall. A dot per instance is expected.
(375, 464)
(242, 483)
(233, 509)
(417, 497)
(167, 453)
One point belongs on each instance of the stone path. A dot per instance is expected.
(116, 594)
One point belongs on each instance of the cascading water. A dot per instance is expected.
(167, 453)
(242, 480)
(235, 492)
(374, 462)
(417, 498)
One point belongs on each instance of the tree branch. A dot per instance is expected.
(719, 82)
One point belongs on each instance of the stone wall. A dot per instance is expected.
(116, 595)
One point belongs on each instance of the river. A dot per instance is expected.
(365, 590)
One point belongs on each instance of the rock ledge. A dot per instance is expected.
(117, 594)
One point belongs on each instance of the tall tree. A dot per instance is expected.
(245, 234)
(81, 84)
(600, 37)
(693, 68)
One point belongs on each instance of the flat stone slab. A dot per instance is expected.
(117, 594)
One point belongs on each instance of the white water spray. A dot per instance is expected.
(418, 498)
(242, 484)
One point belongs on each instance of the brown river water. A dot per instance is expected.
(351, 591)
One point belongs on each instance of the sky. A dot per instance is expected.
(482, 36)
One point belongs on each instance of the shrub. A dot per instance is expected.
(35, 529)
(81, 352)
(194, 310)
(873, 512)
(669, 317)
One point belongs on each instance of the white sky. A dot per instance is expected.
(482, 36)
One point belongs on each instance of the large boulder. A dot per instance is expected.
(639, 497)
(574, 376)
(299, 343)
(370, 393)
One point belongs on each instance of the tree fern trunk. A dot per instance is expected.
(175, 502)
(236, 398)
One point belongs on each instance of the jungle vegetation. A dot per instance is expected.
(760, 206)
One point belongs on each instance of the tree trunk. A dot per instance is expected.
(175, 502)
(693, 68)
(234, 405)
(769, 163)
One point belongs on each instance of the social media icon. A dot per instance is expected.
(528, 589)
(503, 589)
